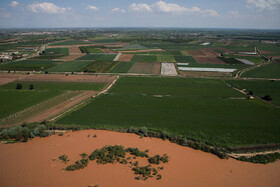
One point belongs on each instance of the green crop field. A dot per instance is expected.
(14, 100)
(99, 57)
(99, 67)
(188, 59)
(165, 58)
(90, 49)
(144, 58)
(260, 88)
(70, 66)
(255, 59)
(122, 67)
(267, 71)
(54, 53)
(200, 109)
(44, 86)
(28, 65)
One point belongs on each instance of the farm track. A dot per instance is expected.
(237, 155)
(61, 107)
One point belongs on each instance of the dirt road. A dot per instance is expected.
(61, 107)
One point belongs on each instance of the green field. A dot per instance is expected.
(14, 100)
(99, 67)
(254, 59)
(199, 109)
(70, 66)
(260, 88)
(54, 53)
(90, 49)
(144, 58)
(122, 67)
(267, 71)
(28, 65)
(165, 58)
(182, 59)
(99, 57)
(44, 86)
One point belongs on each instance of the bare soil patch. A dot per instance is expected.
(209, 52)
(8, 77)
(156, 68)
(208, 60)
(74, 51)
(196, 53)
(142, 67)
(125, 57)
(36, 163)
(69, 78)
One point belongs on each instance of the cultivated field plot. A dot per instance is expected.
(69, 78)
(202, 109)
(99, 57)
(203, 53)
(222, 50)
(260, 88)
(247, 62)
(184, 59)
(168, 69)
(8, 77)
(140, 51)
(122, 67)
(14, 100)
(267, 71)
(207, 69)
(74, 51)
(99, 67)
(208, 60)
(144, 58)
(71, 57)
(91, 49)
(28, 65)
(70, 66)
(45, 86)
(55, 53)
(165, 58)
(145, 68)
(50, 98)
(126, 57)
(107, 50)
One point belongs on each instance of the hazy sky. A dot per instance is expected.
(141, 13)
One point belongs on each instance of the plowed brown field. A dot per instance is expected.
(8, 77)
(125, 57)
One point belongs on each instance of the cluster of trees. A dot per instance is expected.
(117, 154)
(24, 132)
(19, 86)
